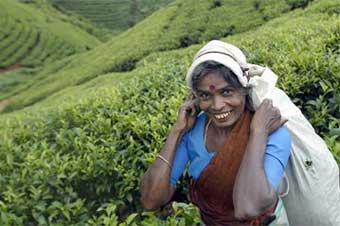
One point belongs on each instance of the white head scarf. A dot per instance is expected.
(223, 53)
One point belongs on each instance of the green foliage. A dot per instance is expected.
(33, 36)
(66, 164)
(181, 24)
(298, 3)
(27, 31)
(51, 9)
(13, 78)
(182, 214)
(76, 157)
(115, 15)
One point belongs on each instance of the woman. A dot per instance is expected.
(237, 156)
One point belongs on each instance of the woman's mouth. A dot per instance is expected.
(222, 116)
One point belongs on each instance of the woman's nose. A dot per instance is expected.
(218, 103)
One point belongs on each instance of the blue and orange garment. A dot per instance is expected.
(211, 186)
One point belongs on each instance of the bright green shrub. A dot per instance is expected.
(181, 24)
(298, 3)
(25, 20)
(33, 36)
(112, 14)
(76, 158)
(87, 163)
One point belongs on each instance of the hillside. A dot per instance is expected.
(30, 37)
(115, 15)
(34, 35)
(76, 157)
(180, 24)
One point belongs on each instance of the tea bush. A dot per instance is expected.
(30, 39)
(26, 32)
(112, 14)
(61, 157)
(76, 158)
(180, 24)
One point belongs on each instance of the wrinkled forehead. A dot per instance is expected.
(213, 81)
(213, 77)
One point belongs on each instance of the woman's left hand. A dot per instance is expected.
(267, 118)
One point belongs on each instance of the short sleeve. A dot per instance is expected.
(180, 161)
(277, 155)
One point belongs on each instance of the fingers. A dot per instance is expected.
(188, 107)
(269, 110)
(268, 117)
(191, 104)
(187, 112)
(283, 120)
(276, 119)
(190, 97)
(276, 114)
(269, 219)
(267, 104)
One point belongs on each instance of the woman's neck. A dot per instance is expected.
(220, 131)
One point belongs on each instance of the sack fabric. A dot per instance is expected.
(313, 198)
(281, 215)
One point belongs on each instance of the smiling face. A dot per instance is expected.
(223, 103)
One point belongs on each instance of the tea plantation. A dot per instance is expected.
(76, 156)
(116, 15)
(181, 24)
(32, 36)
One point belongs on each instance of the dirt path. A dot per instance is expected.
(4, 103)
(9, 68)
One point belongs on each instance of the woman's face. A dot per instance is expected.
(222, 103)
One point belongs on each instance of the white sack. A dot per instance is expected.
(313, 174)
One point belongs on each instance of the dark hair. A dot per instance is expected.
(208, 67)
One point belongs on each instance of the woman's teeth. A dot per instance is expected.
(222, 116)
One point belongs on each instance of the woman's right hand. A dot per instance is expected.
(187, 114)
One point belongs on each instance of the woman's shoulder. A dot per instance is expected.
(200, 120)
(281, 138)
(281, 133)
(201, 116)
(199, 125)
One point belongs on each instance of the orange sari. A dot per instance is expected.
(213, 190)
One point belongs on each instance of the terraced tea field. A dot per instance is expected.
(29, 38)
(117, 15)
(77, 136)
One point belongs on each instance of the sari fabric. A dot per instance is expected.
(213, 191)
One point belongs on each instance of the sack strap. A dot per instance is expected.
(284, 186)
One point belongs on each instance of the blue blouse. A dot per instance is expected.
(192, 149)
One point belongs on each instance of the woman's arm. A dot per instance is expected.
(156, 189)
(253, 194)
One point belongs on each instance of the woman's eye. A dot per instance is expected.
(226, 92)
(204, 96)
